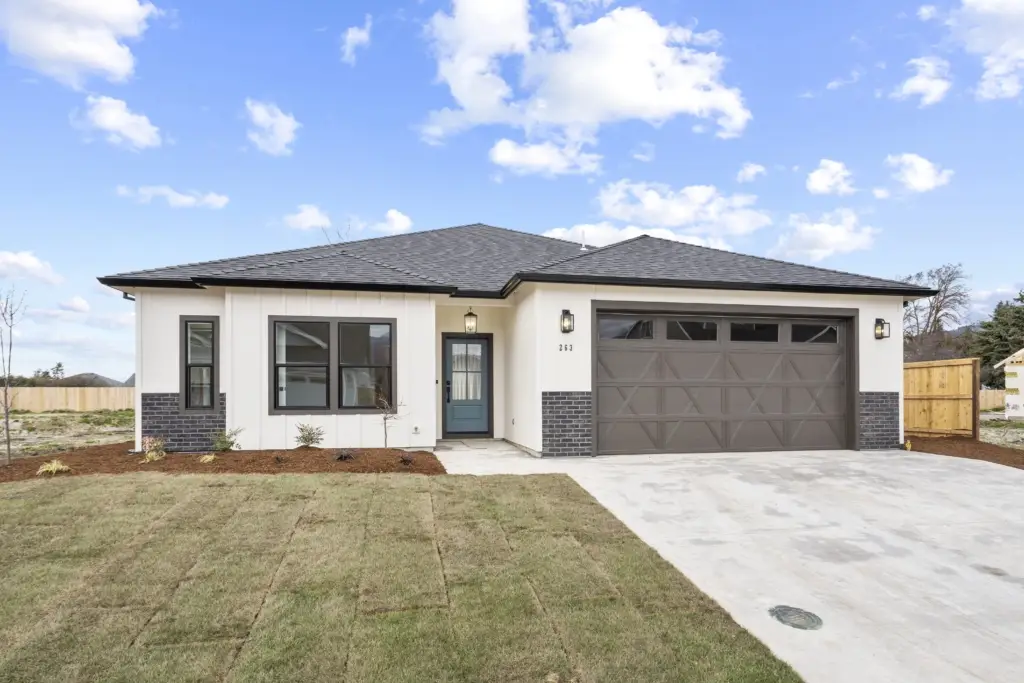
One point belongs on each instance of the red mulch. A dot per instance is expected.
(116, 459)
(961, 447)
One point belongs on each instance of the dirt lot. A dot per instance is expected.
(1003, 432)
(116, 459)
(975, 450)
(44, 433)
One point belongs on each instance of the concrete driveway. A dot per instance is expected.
(914, 562)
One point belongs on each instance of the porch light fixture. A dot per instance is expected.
(568, 321)
(471, 322)
(882, 329)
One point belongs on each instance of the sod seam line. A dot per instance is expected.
(362, 573)
(437, 547)
(270, 586)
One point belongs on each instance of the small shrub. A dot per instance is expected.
(208, 459)
(310, 435)
(153, 447)
(343, 455)
(53, 467)
(405, 458)
(227, 441)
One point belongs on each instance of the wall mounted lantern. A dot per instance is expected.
(568, 321)
(471, 322)
(882, 329)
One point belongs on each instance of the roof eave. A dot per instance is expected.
(118, 281)
(709, 284)
(314, 284)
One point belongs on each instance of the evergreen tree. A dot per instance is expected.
(998, 338)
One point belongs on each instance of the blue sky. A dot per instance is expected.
(877, 136)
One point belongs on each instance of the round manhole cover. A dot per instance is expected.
(796, 617)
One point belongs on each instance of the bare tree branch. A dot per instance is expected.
(925, 321)
(12, 304)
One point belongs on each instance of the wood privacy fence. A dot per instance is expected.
(79, 399)
(993, 399)
(941, 398)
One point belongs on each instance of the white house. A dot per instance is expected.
(643, 346)
(1014, 369)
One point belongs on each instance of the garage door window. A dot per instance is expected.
(692, 330)
(754, 332)
(815, 334)
(625, 327)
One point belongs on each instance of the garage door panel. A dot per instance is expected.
(784, 390)
(756, 435)
(755, 400)
(692, 400)
(754, 366)
(627, 401)
(820, 400)
(628, 437)
(814, 367)
(814, 433)
(629, 365)
(694, 365)
(693, 437)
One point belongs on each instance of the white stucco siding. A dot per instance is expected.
(880, 363)
(491, 319)
(246, 376)
(158, 334)
(522, 392)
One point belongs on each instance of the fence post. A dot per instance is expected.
(976, 388)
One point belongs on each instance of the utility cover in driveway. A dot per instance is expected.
(669, 384)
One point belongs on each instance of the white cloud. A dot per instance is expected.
(698, 209)
(994, 30)
(122, 126)
(931, 81)
(102, 321)
(855, 75)
(76, 304)
(604, 233)
(545, 158)
(175, 199)
(749, 172)
(355, 37)
(69, 40)
(880, 193)
(17, 265)
(838, 232)
(831, 177)
(395, 223)
(273, 131)
(644, 152)
(577, 75)
(308, 217)
(927, 12)
(984, 301)
(916, 173)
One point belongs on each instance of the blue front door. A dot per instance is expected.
(467, 385)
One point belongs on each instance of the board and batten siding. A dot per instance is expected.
(245, 358)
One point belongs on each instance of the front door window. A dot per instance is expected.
(467, 371)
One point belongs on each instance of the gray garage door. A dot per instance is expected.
(668, 384)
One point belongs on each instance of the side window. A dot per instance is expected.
(301, 364)
(365, 357)
(624, 327)
(199, 344)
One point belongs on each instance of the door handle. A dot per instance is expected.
(448, 391)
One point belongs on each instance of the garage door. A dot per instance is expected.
(668, 384)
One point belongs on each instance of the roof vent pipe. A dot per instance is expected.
(583, 240)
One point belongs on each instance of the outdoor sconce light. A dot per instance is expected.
(882, 329)
(568, 321)
(471, 322)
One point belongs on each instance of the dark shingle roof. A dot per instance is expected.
(482, 260)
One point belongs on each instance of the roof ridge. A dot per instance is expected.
(588, 252)
(394, 268)
(787, 263)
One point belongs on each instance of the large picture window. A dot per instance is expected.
(199, 358)
(328, 365)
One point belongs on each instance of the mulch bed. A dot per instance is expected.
(969, 448)
(116, 459)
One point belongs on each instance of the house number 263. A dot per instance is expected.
(565, 347)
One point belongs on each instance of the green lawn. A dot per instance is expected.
(374, 578)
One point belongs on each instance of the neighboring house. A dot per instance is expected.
(643, 346)
(1014, 383)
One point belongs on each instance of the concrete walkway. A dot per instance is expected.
(914, 562)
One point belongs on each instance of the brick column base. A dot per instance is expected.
(879, 420)
(184, 431)
(566, 421)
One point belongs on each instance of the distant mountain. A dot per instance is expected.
(85, 379)
(130, 382)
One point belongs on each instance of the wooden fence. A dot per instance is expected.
(993, 399)
(78, 399)
(941, 398)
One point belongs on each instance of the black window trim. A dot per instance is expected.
(333, 366)
(183, 365)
